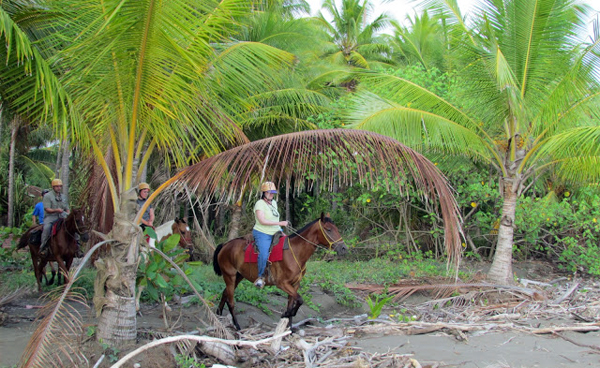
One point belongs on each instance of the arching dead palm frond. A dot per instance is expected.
(331, 155)
(52, 344)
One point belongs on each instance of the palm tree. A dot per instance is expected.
(135, 77)
(353, 40)
(526, 85)
(422, 42)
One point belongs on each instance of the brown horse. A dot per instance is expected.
(228, 261)
(181, 227)
(163, 232)
(177, 226)
(63, 246)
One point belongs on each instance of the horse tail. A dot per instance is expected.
(216, 260)
(24, 240)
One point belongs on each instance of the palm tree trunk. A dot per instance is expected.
(1, 125)
(64, 166)
(11, 171)
(58, 161)
(114, 291)
(501, 270)
(236, 217)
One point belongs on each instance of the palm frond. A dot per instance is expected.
(417, 128)
(573, 162)
(53, 342)
(337, 155)
(28, 82)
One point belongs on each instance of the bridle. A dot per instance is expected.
(185, 241)
(77, 230)
(331, 243)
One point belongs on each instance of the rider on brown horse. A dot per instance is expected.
(266, 225)
(56, 206)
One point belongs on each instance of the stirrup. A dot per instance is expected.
(45, 252)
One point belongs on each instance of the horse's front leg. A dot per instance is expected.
(62, 267)
(294, 301)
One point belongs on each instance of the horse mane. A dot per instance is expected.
(69, 221)
(325, 219)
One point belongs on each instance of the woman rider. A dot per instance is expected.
(143, 190)
(266, 225)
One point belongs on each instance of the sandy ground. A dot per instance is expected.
(507, 349)
(497, 348)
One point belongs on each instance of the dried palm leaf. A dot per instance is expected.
(14, 295)
(53, 342)
(443, 292)
(337, 155)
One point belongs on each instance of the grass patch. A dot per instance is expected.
(331, 277)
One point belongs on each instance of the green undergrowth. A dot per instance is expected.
(17, 273)
(330, 277)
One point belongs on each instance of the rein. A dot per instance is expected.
(331, 243)
(302, 269)
(77, 230)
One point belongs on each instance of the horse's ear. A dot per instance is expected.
(176, 220)
(322, 216)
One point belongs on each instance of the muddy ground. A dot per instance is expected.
(510, 331)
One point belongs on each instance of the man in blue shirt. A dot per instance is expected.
(37, 217)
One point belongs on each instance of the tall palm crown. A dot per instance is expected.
(423, 41)
(354, 38)
(526, 81)
(136, 76)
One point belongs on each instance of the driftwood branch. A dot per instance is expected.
(579, 328)
(202, 339)
(567, 293)
(593, 347)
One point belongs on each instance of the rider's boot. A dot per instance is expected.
(45, 250)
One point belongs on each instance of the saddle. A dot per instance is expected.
(275, 251)
(35, 236)
(57, 226)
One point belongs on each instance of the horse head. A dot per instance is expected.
(77, 221)
(181, 227)
(331, 235)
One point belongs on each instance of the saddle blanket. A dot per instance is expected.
(276, 254)
(57, 225)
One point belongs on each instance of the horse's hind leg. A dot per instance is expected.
(227, 297)
(38, 270)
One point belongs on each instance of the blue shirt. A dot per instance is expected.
(39, 212)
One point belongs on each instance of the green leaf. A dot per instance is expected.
(152, 292)
(160, 281)
(171, 242)
(150, 232)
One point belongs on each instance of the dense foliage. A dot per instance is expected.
(271, 71)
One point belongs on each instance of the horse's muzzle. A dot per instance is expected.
(340, 248)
